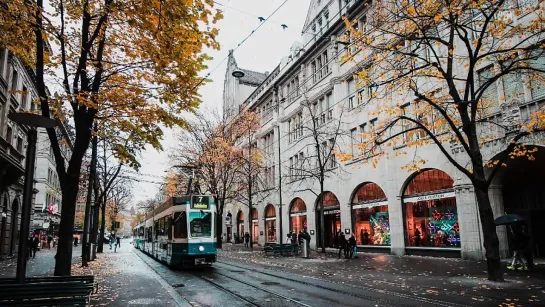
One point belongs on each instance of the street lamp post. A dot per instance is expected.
(33, 121)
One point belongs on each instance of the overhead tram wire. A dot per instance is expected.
(239, 44)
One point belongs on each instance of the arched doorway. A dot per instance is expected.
(270, 224)
(14, 230)
(431, 216)
(255, 225)
(332, 219)
(298, 215)
(370, 215)
(240, 226)
(3, 226)
(522, 184)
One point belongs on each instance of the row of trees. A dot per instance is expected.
(131, 68)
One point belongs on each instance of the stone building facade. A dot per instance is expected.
(432, 211)
(17, 93)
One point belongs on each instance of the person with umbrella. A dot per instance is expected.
(521, 241)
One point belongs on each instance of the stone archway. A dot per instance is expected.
(14, 229)
(519, 187)
(270, 224)
(4, 223)
(370, 219)
(332, 219)
(298, 215)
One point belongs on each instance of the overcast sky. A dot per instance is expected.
(261, 52)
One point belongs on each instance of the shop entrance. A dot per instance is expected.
(240, 227)
(523, 189)
(332, 220)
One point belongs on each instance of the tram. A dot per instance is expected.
(180, 232)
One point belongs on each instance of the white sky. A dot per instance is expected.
(261, 52)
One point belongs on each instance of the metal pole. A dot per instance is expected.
(27, 203)
(87, 219)
(280, 184)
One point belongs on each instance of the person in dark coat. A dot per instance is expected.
(247, 239)
(364, 237)
(520, 244)
(34, 245)
(294, 238)
(342, 243)
(352, 244)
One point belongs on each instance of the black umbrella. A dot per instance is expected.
(508, 219)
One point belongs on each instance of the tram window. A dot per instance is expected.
(180, 225)
(200, 224)
(169, 228)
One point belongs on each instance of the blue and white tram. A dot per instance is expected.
(180, 232)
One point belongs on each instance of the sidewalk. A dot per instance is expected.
(42, 265)
(123, 278)
(422, 275)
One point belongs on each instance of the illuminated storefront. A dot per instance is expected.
(270, 224)
(298, 215)
(240, 226)
(370, 216)
(431, 216)
(332, 219)
(255, 225)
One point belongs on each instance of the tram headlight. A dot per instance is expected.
(201, 248)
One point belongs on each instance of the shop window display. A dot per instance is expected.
(298, 215)
(270, 224)
(370, 214)
(431, 215)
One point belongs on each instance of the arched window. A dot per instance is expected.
(270, 223)
(431, 216)
(240, 224)
(255, 225)
(298, 215)
(370, 215)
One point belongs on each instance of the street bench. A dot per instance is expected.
(89, 280)
(283, 249)
(67, 293)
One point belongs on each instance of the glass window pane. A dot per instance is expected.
(200, 224)
(372, 226)
(180, 225)
(433, 223)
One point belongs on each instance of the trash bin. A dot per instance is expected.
(304, 249)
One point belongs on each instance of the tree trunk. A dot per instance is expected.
(63, 258)
(491, 241)
(102, 227)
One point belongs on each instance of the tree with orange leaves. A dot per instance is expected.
(130, 66)
(430, 73)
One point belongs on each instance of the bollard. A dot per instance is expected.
(304, 249)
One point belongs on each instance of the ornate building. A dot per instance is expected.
(388, 208)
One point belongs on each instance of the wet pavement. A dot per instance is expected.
(42, 265)
(242, 277)
(446, 279)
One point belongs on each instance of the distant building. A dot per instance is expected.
(48, 204)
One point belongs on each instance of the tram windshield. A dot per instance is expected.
(200, 224)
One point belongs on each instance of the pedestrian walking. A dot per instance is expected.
(76, 239)
(520, 244)
(352, 244)
(247, 239)
(342, 244)
(34, 244)
(111, 240)
(55, 240)
(118, 241)
(49, 240)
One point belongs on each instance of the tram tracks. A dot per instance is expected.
(358, 295)
(233, 293)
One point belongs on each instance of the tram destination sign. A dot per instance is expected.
(200, 202)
